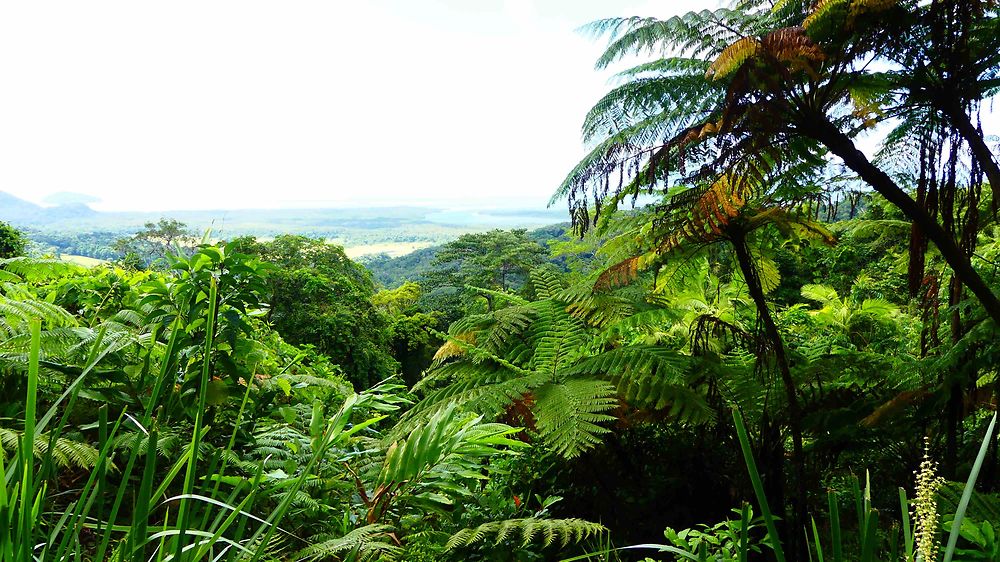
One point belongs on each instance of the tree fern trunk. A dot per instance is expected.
(756, 290)
(841, 145)
(972, 135)
(918, 248)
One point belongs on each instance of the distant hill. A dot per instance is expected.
(21, 213)
(73, 227)
(16, 210)
(392, 272)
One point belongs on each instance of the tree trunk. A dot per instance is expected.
(840, 144)
(972, 135)
(918, 249)
(756, 291)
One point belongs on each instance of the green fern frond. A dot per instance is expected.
(822, 294)
(371, 542)
(524, 532)
(506, 324)
(651, 319)
(65, 452)
(568, 414)
(651, 377)
(22, 311)
(489, 393)
(697, 33)
(546, 283)
(557, 337)
(39, 269)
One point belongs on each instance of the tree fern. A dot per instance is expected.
(549, 367)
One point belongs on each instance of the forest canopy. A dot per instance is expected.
(758, 339)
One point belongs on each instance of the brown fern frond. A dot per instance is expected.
(618, 275)
(702, 216)
(793, 47)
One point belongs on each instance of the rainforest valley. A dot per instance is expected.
(768, 331)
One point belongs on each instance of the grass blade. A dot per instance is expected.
(758, 487)
(904, 511)
(27, 462)
(970, 486)
(835, 538)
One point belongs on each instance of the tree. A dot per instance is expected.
(757, 92)
(12, 241)
(735, 211)
(319, 297)
(413, 332)
(155, 241)
(498, 260)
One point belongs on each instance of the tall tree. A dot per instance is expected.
(498, 260)
(155, 241)
(754, 82)
(319, 297)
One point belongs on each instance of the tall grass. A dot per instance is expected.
(203, 521)
(867, 526)
(838, 547)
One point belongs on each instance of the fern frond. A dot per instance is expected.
(694, 32)
(524, 532)
(65, 452)
(24, 310)
(371, 542)
(39, 269)
(489, 392)
(598, 309)
(557, 337)
(733, 57)
(546, 283)
(651, 377)
(568, 414)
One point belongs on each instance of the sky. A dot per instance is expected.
(210, 104)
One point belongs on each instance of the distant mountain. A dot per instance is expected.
(16, 210)
(23, 213)
(71, 226)
(68, 211)
(71, 198)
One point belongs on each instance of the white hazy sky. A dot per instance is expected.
(194, 104)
